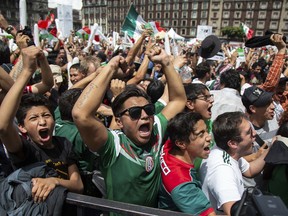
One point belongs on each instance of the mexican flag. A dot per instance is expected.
(247, 31)
(84, 31)
(155, 26)
(133, 23)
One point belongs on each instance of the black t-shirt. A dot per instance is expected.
(59, 158)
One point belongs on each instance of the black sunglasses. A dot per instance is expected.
(135, 112)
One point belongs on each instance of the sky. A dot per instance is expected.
(77, 4)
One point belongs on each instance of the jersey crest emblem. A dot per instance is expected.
(149, 164)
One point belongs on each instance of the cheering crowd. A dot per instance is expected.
(183, 131)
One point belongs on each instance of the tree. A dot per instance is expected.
(235, 33)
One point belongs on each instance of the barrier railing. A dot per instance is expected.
(87, 202)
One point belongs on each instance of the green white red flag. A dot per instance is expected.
(247, 31)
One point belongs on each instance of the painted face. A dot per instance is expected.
(75, 75)
(248, 137)
(267, 112)
(138, 130)
(39, 125)
(199, 141)
(203, 104)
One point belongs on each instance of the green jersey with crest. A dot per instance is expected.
(132, 173)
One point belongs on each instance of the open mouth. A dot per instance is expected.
(207, 148)
(144, 129)
(44, 134)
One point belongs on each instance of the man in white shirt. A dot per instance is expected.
(221, 173)
(227, 99)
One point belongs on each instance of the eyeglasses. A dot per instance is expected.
(135, 112)
(207, 98)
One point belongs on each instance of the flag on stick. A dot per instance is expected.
(133, 23)
(247, 31)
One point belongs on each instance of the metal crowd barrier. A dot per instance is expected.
(87, 202)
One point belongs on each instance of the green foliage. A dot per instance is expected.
(233, 32)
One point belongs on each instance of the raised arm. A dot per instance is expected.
(8, 132)
(177, 96)
(134, 50)
(275, 70)
(93, 132)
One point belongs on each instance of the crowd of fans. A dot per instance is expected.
(126, 123)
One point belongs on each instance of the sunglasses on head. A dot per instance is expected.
(135, 112)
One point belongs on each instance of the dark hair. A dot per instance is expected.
(226, 127)
(4, 53)
(231, 79)
(75, 66)
(283, 129)
(155, 90)
(28, 101)
(129, 91)
(102, 56)
(67, 101)
(202, 69)
(193, 90)
(182, 125)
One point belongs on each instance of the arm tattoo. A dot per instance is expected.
(18, 70)
(86, 95)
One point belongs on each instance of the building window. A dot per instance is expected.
(236, 23)
(249, 14)
(166, 23)
(205, 5)
(214, 24)
(227, 5)
(225, 23)
(215, 5)
(158, 15)
(238, 5)
(184, 14)
(263, 5)
(195, 6)
(262, 14)
(193, 23)
(203, 22)
(194, 14)
(150, 15)
(183, 31)
(158, 7)
(273, 25)
(167, 6)
(193, 32)
(251, 5)
(237, 14)
(175, 15)
(259, 33)
(183, 22)
(176, 6)
(166, 15)
(275, 15)
(174, 22)
(185, 6)
(204, 14)
(260, 24)
(215, 15)
(277, 5)
(226, 14)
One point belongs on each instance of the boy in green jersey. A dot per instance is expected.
(130, 156)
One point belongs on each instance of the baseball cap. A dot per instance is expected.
(256, 96)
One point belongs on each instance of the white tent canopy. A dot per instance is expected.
(172, 34)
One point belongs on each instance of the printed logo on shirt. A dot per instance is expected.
(149, 164)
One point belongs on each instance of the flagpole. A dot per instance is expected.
(23, 13)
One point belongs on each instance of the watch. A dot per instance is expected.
(9, 29)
